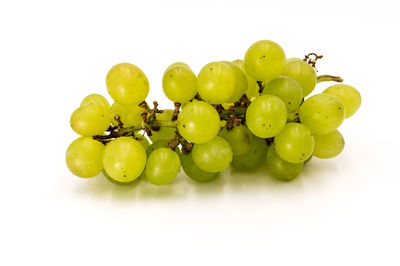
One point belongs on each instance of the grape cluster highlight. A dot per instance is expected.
(241, 114)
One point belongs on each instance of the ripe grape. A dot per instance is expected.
(295, 143)
(127, 84)
(348, 95)
(90, 119)
(96, 98)
(162, 166)
(252, 86)
(239, 138)
(303, 73)
(213, 156)
(130, 116)
(240, 82)
(194, 172)
(252, 159)
(266, 116)
(198, 122)
(281, 169)
(156, 145)
(124, 159)
(165, 133)
(329, 145)
(84, 157)
(287, 89)
(179, 83)
(144, 141)
(133, 182)
(264, 60)
(322, 113)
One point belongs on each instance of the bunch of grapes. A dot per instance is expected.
(243, 114)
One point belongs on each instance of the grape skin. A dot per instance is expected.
(96, 98)
(90, 119)
(252, 86)
(179, 83)
(348, 95)
(130, 116)
(303, 73)
(240, 82)
(329, 145)
(239, 138)
(254, 158)
(162, 166)
(165, 133)
(194, 172)
(281, 169)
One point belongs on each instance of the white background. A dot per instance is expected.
(343, 211)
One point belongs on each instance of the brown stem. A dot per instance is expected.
(323, 78)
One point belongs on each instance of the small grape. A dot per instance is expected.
(239, 138)
(252, 159)
(329, 145)
(130, 116)
(303, 73)
(165, 133)
(194, 172)
(252, 86)
(162, 166)
(96, 98)
(179, 83)
(348, 95)
(90, 119)
(240, 82)
(281, 169)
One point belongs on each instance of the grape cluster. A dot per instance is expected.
(243, 114)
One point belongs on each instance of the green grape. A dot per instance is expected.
(84, 157)
(133, 182)
(252, 86)
(329, 145)
(179, 83)
(194, 172)
(322, 113)
(180, 64)
(295, 143)
(145, 142)
(130, 116)
(240, 82)
(239, 138)
(96, 98)
(293, 59)
(264, 60)
(156, 145)
(198, 122)
(216, 82)
(213, 156)
(124, 159)
(162, 166)
(252, 159)
(165, 133)
(127, 84)
(281, 169)
(303, 73)
(266, 116)
(288, 90)
(90, 119)
(348, 95)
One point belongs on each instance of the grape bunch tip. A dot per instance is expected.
(240, 114)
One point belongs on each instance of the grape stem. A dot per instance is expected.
(323, 78)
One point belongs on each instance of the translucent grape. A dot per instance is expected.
(90, 119)
(252, 86)
(281, 169)
(130, 115)
(239, 138)
(216, 82)
(198, 122)
(127, 84)
(240, 83)
(133, 182)
(295, 143)
(264, 60)
(322, 113)
(266, 116)
(348, 95)
(194, 172)
(156, 145)
(287, 89)
(252, 159)
(96, 98)
(213, 156)
(179, 83)
(303, 73)
(145, 142)
(329, 145)
(165, 133)
(84, 157)
(162, 166)
(124, 159)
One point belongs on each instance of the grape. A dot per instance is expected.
(239, 138)
(322, 113)
(329, 145)
(252, 86)
(84, 157)
(288, 90)
(179, 83)
(127, 84)
(156, 145)
(240, 82)
(144, 141)
(281, 169)
(293, 116)
(252, 159)
(264, 60)
(162, 166)
(124, 159)
(90, 119)
(348, 95)
(198, 122)
(194, 172)
(303, 73)
(266, 116)
(130, 116)
(216, 82)
(295, 143)
(165, 133)
(96, 98)
(109, 178)
(213, 156)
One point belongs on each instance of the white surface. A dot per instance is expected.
(343, 211)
